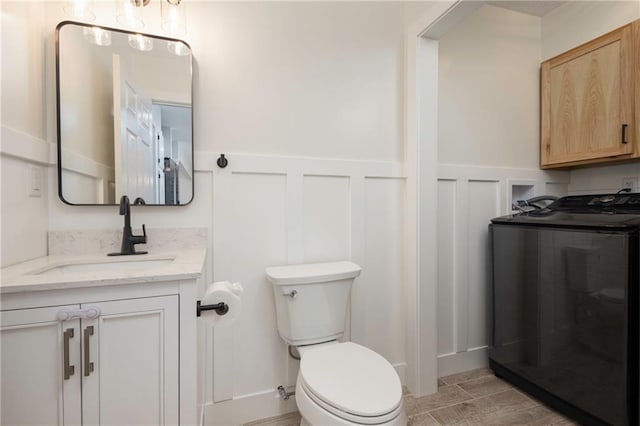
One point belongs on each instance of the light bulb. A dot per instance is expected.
(174, 17)
(128, 14)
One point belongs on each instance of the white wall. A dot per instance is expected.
(603, 179)
(24, 128)
(577, 22)
(488, 90)
(488, 137)
(87, 113)
(567, 27)
(313, 79)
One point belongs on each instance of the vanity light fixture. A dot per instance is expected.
(97, 36)
(81, 10)
(140, 42)
(172, 14)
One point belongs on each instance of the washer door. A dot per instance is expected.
(351, 378)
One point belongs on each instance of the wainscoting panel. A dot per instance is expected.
(259, 240)
(484, 202)
(468, 198)
(447, 306)
(270, 211)
(326, 218)
(381, 291)
(90, 182)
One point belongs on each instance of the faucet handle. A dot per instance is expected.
(143, 237)
(139, 239)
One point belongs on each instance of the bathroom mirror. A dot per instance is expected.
(124, 117)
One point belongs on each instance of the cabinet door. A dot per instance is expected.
(34, 388)
(133, 346)
(587, 98)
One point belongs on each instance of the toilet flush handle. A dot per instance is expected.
(293, 294)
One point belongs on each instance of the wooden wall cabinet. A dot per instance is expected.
(590, 102)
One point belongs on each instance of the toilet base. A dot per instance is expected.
(314, 415)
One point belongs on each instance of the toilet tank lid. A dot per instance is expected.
(312, 273)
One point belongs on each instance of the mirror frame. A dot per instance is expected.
(58, 126)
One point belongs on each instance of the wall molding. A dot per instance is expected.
(312, 209)
(247, 408)
(462, 361)
(76, 163)
(308, 166)
(25, 147)
(468, 198)
(475, 172)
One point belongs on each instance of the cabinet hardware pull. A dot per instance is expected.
(69, 370)
(88, 366)
(624, 134)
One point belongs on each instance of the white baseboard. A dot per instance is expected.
(247, 408)
(462, 361)
(401, 369)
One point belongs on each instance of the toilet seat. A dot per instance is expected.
(351, 382)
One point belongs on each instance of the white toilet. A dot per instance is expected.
(338, 383)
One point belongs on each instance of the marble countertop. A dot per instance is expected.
(48, 273)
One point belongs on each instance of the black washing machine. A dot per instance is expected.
(563, 305)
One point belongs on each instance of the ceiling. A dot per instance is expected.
(536, 8)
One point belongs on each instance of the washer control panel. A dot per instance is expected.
(609, 203)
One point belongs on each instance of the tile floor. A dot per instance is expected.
(474, 397)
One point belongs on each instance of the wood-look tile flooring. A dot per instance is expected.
(474, 397)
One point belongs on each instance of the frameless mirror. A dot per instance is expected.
(124, 117)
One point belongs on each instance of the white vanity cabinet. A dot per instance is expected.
(116, 346)
(33, 389)
(120, 367)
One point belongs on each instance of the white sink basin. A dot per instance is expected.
(113, 264)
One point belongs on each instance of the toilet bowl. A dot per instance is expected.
(339, 383)
(348, 384)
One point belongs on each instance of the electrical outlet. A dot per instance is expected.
(630, 182)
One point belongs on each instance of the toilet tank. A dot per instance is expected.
(311, 300)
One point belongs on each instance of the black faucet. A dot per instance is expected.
(128, 239)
